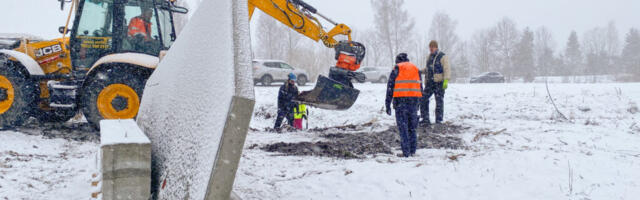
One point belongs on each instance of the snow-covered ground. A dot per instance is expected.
(33, 166)
(593, 155)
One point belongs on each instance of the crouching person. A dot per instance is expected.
(405, 90)
(299, 114)
(288, 92)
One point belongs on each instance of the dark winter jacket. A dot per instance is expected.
(391, 85)
(438, 68)
(287, 93)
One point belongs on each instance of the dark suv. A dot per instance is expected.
(488, 77)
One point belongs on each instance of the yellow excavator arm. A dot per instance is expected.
(299, 16)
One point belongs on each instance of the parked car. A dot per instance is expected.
(376, 74)
(488, 77)
(267, 72)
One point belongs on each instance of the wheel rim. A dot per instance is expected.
(302, 81)
(267, 81)
(6, 94)
(118, 101)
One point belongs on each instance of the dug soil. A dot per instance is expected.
(360, 144)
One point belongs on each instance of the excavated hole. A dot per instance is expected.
(359, 144)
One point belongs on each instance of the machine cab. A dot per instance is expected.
(103, 27)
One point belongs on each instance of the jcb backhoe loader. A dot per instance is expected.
(114, 45)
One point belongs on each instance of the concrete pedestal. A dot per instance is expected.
(125, 154)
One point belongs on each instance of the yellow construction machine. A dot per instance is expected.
(112, 48)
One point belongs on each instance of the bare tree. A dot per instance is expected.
(443, 29)
(544, 48)
(613, 40)
(595, 50)
(461, 65)
(375, 48)
(613, 48)
(272, 38)
(393, 25)
(482, 52)
(506, 38)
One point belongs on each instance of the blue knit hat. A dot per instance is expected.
(292, 76)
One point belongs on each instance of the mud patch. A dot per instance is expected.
(263, 113)
(75, 131)
(364, 143)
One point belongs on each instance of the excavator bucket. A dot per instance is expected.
(336, 92)
(329, 94)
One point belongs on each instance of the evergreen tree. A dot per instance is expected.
(631, 52)
(573, 55)
(524, 56)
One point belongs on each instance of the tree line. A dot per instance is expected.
(519, 54)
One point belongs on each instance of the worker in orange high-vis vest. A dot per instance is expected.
(405, 91)
(141, 25)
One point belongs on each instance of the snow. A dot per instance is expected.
(20, 36)
(595, 155)
(32, 167)
(187, 99)
(27, 61)
(136, 58)
(121, 132)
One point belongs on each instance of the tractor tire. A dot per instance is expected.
(113, 92)
(55, 116)
(18, 94)
(302, 80)
(266, 80)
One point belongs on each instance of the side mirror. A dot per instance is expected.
(61, 30)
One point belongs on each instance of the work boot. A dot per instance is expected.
(401, 155)
(277, 129)
(425, 123)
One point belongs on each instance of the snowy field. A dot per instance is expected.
(593, 155)
(516, 147)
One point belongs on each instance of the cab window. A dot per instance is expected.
(93, 33)
(165, 27)
(141, 28)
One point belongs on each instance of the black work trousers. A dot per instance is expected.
(430, 89)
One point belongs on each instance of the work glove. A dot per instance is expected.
(445, 84)
(388, 110)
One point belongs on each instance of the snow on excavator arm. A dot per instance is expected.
(298, 15)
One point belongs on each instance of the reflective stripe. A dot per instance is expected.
(408, 81)
(407, 90)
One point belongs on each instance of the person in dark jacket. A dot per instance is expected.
(287, 93)
(437, 74)
(404, 89)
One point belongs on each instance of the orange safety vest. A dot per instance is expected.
(139, 26)
(408, 81)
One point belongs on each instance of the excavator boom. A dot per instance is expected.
(298, 15)
(336, 91)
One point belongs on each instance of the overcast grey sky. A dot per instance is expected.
(42, 17)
